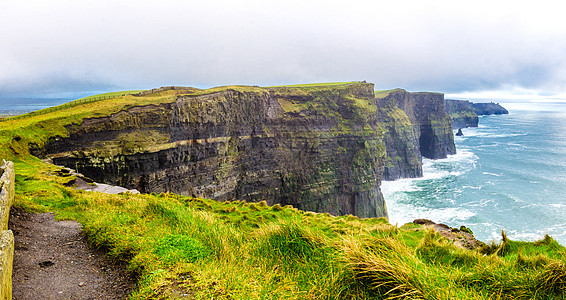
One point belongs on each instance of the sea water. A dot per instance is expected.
(17, 106)
(508, 174)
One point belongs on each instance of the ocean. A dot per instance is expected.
(508, 174)
(17, 106)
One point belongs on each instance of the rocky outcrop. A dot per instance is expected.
(461, 113)
(482, 109)
(416, 125)
(316, 148)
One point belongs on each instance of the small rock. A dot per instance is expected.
(423, 222)
(82, 284)
(46, 263)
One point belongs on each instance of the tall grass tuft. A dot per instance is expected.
(500, 249)
(385, 268)
(289, 242)
(553, 279)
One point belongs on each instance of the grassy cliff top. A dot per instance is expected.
(321, 84)
(16, 133)
(37, 127)
(385, 93)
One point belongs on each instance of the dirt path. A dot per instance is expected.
(52, 260)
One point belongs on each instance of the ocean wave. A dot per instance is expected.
(492, 174)
(401, 213)
(472, 187)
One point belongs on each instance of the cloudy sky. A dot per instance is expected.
(462, 48)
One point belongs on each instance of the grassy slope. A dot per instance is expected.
(236, 250)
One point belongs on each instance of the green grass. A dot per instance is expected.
(108, 95)
(323, 84)
(16, 134)
(240, 250)
(178, 245)
(385, 93)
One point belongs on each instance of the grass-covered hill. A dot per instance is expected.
(202, 249)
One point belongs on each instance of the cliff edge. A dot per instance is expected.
(416, 126)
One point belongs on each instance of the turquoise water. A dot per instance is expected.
(509, 174)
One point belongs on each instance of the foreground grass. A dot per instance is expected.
(236, 250)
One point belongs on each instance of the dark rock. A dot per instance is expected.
(45, 264)
(459, 133)
(461, 113)
(416, 125)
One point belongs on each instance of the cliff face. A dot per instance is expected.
(461, 113)
(416, 125)
(489, 109)
(318, 148)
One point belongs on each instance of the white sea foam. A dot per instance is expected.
(492, 174)
(472, 187)
(401, 213)
(396, 193)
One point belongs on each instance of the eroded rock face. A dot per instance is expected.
(416, 125)
(461, 113)
(318, 149)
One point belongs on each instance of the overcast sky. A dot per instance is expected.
(462, 48)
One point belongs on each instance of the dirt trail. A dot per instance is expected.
(52, 260)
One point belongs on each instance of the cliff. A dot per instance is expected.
(461, 113)
(316, 148)
(489, 109)
(416, 125)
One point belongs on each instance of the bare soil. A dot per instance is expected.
(53, 260)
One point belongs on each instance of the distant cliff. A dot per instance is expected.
(489, 109)
(416, 125)
(461, 113)
(464, 113)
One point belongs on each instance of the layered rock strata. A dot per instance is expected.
(416, 126)
(316, 148)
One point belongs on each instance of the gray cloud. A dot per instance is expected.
(56, 47)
